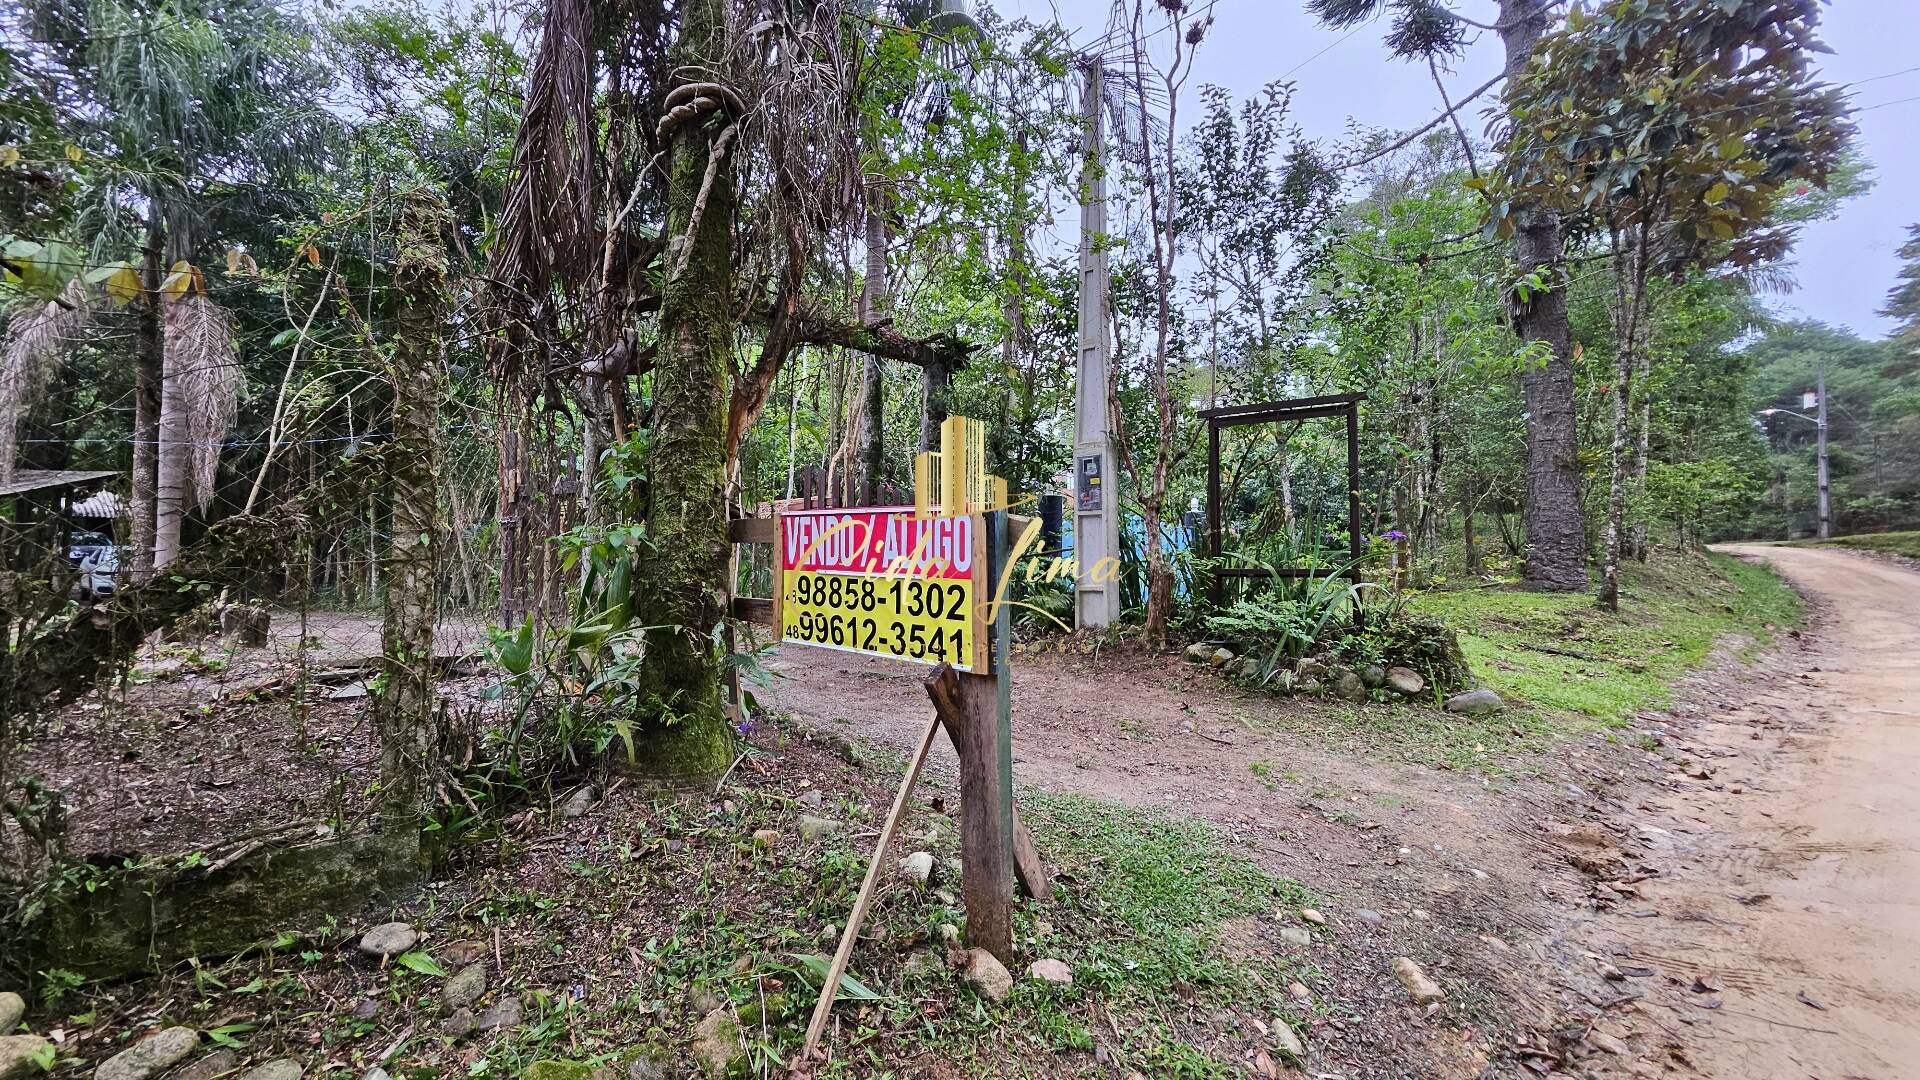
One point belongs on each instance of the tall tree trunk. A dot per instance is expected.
(174, 459)
(685, 737)
(1642, 444)
(149, 361)
(1556, 533)
(872, 450)
(403, 717)
(1629, 294)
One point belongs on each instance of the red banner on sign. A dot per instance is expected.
(877, 540)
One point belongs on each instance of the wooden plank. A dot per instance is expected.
(967, 705)
(824, 1007)
(754, 609)
(754, 530)
(1029, 870)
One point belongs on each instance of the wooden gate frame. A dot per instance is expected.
(1273, 412)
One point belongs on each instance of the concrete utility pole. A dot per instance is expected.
(1096, 513)
(1820, 423)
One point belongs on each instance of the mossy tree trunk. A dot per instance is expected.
(403, 708)
(681, 590)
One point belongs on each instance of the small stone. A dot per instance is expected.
(1423, 990)
(1309, 686)
(1475, 702)
(1300, 993)
(1608, 1043)
(702, 1000)
(352, 691)
(388, 939)
(1373, 675)
(505, 1013)
(917, 867)
(1051, 971)
(1309, 668)
(12, 1008)
(1310, 915)
(219, 1063)
(716, 1044)
(988, 975)
(1348, 686)
(17, 1055)
(813, 829)
(376, 1073)
(1296, 935)
(466, 986)
(580, 802)
(1199, 653)
(647, 1066)
(1405, 681)
(811, 798)
(1288, 1043)
(1367, 915)
(366, 1008)
(160, 1050)
(766, 839)
(277, 1069)
(1221, 657)
(458, 1024)
(1042, 928)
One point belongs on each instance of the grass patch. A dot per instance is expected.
(620, 931)
(1559, 660)
(1904, 544)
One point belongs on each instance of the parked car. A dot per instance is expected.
(99, 575)
(87, 545)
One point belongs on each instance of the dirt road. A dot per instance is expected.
(1783, 930)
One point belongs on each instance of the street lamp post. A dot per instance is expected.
(1819, 422)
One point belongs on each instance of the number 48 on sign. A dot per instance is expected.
(884, 582)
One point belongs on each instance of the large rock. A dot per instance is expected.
(1200, 653)
(160, 1050)
(1475, 702)
(17, 1055)
(1221, 658)
(12, 1008)
(466, 986)
(277, 1069)
(1406, 681)
(1422, 990)
(717, 1046)
(988, 975)
(1309, 668)
(388, 939)
(1373, 675)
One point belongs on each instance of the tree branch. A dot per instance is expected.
(1421, 130)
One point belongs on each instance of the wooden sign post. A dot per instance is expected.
(921, 585)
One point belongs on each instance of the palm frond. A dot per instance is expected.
(36, 335)
(199, 335)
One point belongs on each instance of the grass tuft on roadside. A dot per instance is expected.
(1560, 661)
(1904, 544)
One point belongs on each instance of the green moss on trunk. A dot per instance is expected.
(682, 575)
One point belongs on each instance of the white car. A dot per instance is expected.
(99, 574)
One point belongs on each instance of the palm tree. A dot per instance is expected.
(183, 102)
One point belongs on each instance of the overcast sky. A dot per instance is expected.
(1843, 267)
